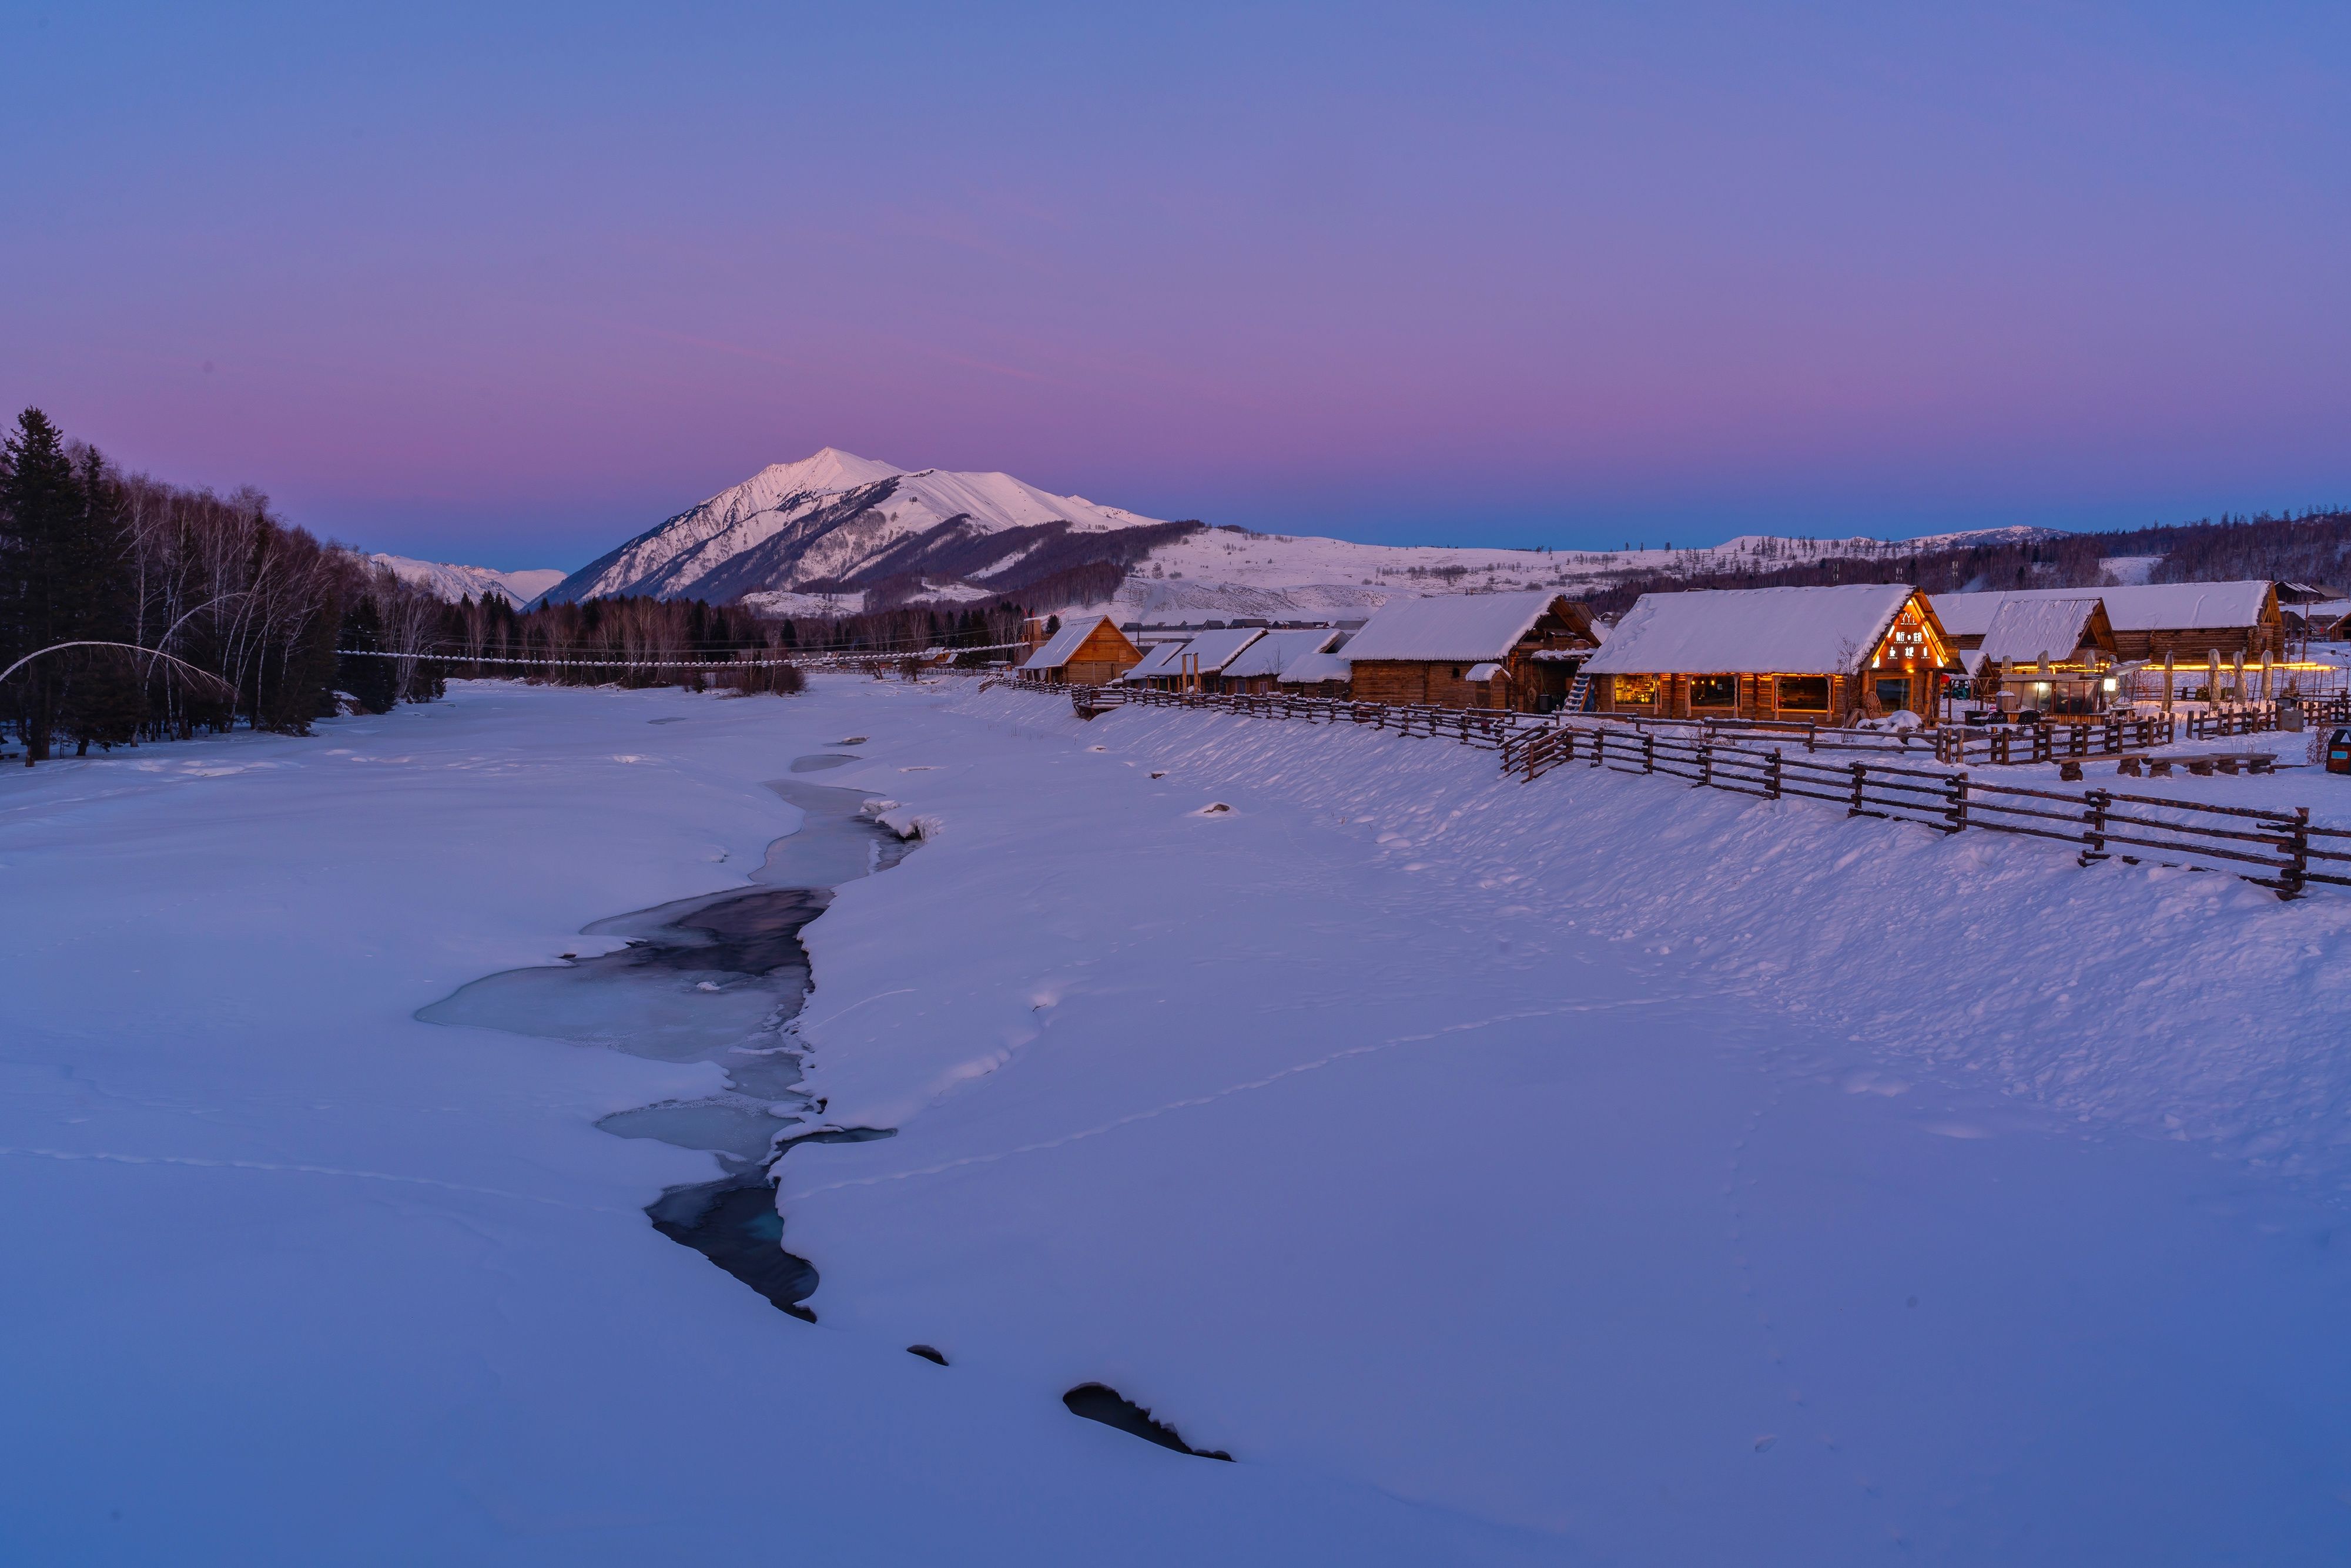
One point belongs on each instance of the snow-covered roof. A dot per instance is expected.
(1466, 626)
(1059, 649)
(1215, 650)
(1308, 669)
(2028, 630)
(2152, 606)
(1750, 630)
(1273, 652)
(1161, 659)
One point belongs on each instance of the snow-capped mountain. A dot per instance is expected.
(454, 583)
(835, 533)
(836, 520)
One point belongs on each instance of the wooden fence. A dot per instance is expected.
(2274, 848)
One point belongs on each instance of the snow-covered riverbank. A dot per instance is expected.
(1588, 1170)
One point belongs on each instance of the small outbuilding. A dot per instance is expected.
(1517, 650)
(1088, 651)
(1319, 676)
(2051, 656)
(1822, 654)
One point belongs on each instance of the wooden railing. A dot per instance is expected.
(2287, 854)
(2275, 848)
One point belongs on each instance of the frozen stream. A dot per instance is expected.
(716, 979)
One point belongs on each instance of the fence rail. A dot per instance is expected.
(2273, 848)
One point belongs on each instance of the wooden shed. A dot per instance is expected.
(1322, 674)
(1516, 651)
(1823, 654)
(2186, 620)
(1258, 666)
(1087, 652)
(1198, 663)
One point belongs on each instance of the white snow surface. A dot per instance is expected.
(2030, 630)
(2151, 607)
(455, 583)
(1454, 626)
(1723, 630)
(1593, 1170)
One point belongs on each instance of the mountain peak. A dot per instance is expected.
(826, 471)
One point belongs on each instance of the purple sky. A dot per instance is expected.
(506, 288)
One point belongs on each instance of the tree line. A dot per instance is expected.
(2309, 547)
(169, 612)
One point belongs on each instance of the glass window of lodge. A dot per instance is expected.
(1804, 693)
(1714, 691)
(1893, 692)
(1636, 688)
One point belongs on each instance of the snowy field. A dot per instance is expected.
(1588, 1171)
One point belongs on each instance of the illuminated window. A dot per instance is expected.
(1636, 688)
(1714, 691)
(1804, 694)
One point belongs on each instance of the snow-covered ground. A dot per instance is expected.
(1592, 1170)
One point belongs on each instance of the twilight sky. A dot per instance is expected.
(507, 284)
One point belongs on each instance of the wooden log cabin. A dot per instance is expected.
(2186, 620)
(1821, 654)
(1087, 652)
(1517, 650)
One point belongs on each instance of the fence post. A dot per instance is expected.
(1859, 775)
(1649, 752)
(2095, 840)
(1958, 796)
(1706, 762)
(2297, 846)
(1771, 774)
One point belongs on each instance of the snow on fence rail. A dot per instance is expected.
(2277, 849)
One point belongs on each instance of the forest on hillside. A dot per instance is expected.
(2308, 547)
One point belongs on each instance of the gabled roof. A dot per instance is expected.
(2028, 630)
(1466, 626)
(1063, 645)
(2149, 607)
(1308, 669)
(1750, 630)
(1274, 653)
(1215, 650)
(1162, 659)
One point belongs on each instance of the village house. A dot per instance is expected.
(1087, 652)
(2050, 656)
(2186, 620)
(1197, 663)
(1823, 654)
(1258, 666)
(1517, 650)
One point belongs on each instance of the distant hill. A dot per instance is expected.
(455, 583)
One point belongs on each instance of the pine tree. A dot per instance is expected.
(39, 500)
